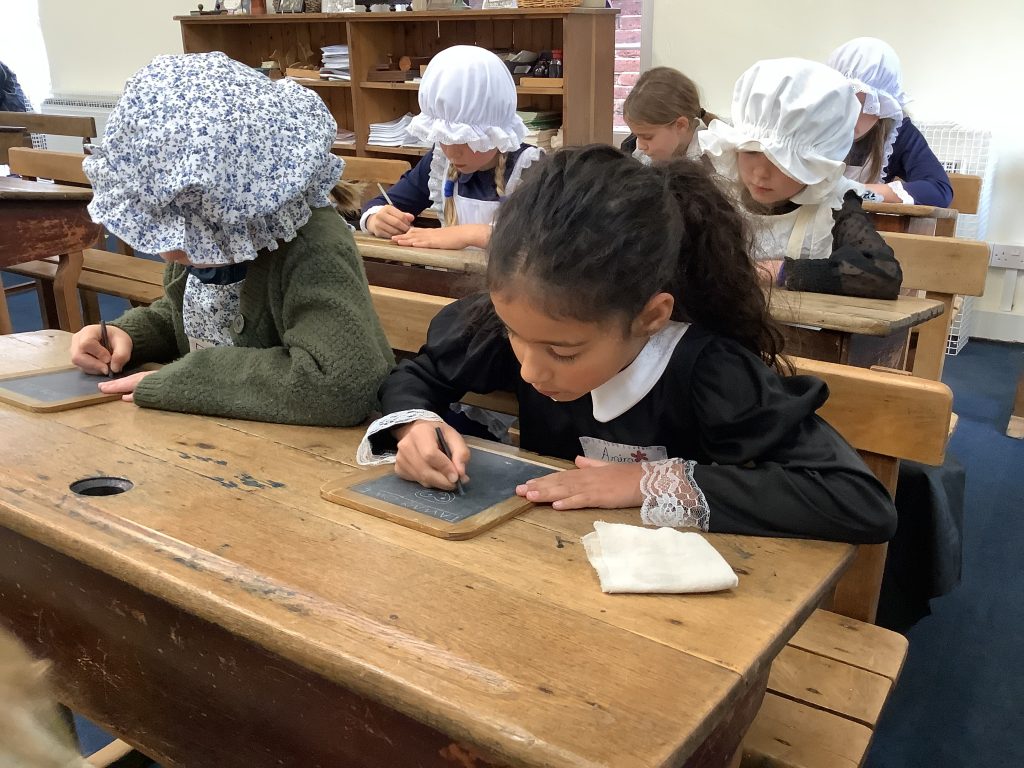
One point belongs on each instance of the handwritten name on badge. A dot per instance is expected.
(620, 452)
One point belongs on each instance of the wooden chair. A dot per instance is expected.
(11, 136)
(943, 267)
(138, 280)
(374, 170)
(966, 197)
(57, 125)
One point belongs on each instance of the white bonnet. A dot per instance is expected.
(874, 69)
(468, 97)
(206, 155)
(800, 113)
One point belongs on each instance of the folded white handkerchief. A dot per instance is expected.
(629, 558)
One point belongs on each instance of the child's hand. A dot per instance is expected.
(452, 238)
(609, 485)
(89, 355)
(389, 221)
(126, 386)
(421, 459)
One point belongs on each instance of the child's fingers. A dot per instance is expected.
(122, 344)
(89, 355)
(583, 462)
(411, 465)
(394, 221)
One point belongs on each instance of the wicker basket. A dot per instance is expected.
(549, 3)
(313, 6)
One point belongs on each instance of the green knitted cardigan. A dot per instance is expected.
(309, 348)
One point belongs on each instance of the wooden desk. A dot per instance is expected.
(40, 219)
(914, 219)
(439, 272)
(221, 613)
(845, 329)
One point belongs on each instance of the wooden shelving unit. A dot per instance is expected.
(585, 35)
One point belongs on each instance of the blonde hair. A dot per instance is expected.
(451, 218)
(661, 96)
(32, 732)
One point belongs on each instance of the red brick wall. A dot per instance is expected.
(627, 62)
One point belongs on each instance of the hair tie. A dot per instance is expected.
(449, 188)
(702, 113)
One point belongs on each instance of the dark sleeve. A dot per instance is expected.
(466, 351)
(913, 162)
(152, 327)
(861, 263)
(628, 144)
(410, 193)
(776, 468)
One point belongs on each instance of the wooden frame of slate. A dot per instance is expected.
(368, 492)
(64, 380)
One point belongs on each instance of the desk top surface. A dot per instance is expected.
(23, 189)
(901, 209)
(849, 314)
(505, 640)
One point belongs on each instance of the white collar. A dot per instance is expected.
(632, 384)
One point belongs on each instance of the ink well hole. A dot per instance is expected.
(101, 486)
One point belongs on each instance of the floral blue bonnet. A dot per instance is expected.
(206, 155)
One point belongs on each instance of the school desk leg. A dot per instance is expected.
(1016, 426)
(5, 316)
(65, 291)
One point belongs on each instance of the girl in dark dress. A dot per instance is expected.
(624, 311)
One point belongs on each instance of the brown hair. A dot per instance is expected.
(874, 141)
(661, 96)
(450, 217)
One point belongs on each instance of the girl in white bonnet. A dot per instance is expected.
(783, 159)
(266, 313)
(889, 154)
(468, 113)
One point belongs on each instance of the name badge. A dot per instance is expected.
(194, 344)
(620, 452)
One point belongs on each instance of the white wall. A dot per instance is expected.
(95, 46)
(961, 62)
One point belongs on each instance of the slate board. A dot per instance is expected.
(490, 495)
(53, 389)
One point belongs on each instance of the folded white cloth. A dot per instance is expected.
(629, 558)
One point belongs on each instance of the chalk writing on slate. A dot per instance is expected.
(493, 478)
(55, 386)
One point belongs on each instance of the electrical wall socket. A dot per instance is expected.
(1007, 256)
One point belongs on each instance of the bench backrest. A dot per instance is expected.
(943, 267)
(65, 167)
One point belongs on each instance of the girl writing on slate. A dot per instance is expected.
(625, 313)
(468, 114)
(266, 313)
(889, 155)
(782, 158)
(664, 115)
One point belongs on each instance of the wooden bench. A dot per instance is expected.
(56, 125)
(138, 280)
(943, 267)
(828, 686)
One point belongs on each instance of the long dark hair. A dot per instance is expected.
(873, 144)
(596, 233)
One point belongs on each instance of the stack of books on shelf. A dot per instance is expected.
(394, 133)
(542, 126)
(336, 64)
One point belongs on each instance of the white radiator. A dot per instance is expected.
(96, 106)
(964, 150)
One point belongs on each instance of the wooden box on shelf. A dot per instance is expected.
(585, 35)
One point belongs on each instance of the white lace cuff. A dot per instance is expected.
(670, 495)
(905, 197)
(369, 212)
(364, 453)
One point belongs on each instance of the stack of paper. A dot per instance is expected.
(345, 136)
(540, 120)
(336, 64)
(540, 139)
(394, 133)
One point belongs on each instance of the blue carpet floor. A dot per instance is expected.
(960, 700)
